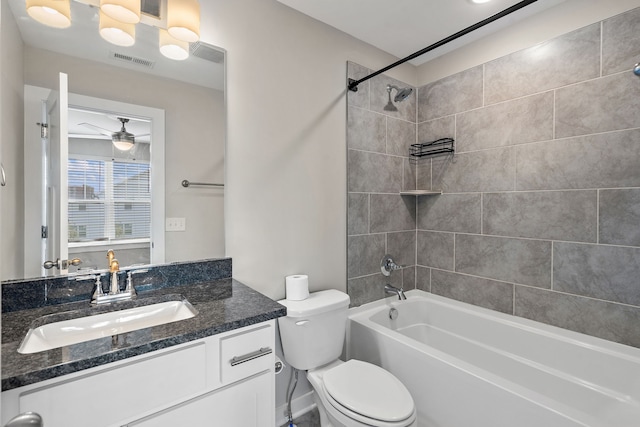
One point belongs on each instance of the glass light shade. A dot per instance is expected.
(53, 13)
(123, 140)
(127, 11)
(123, 145)
(116, 32)
(171, 47)
(183, 19)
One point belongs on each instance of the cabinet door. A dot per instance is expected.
(111, 395)
(246, 403)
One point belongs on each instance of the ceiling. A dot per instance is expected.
(402, 27)
(82, 40)
(108, 122)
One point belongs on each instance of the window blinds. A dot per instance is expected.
(108, 200)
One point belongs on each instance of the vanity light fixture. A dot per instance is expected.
(53, 13)
(183, 19)
(118, 19)
(127, 11)
(116, 32)
(171, 47)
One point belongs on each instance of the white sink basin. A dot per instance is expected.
(73, 331)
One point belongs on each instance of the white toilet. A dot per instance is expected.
(352, 393)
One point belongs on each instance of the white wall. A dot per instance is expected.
(11, 153)
(286, 153)
(567, 16)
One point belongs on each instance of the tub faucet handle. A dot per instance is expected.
(387, 265)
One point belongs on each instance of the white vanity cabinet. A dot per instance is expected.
(225, 379)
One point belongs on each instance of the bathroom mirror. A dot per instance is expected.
(191, 95)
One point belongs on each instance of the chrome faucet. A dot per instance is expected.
(388, 289)
(115, 294)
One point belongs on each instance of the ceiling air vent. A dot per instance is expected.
(132, 59)
(206, 51)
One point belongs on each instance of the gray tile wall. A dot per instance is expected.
(379, 221)
(540, 215)
(553, 155)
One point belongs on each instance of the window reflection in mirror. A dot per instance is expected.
(109, 190)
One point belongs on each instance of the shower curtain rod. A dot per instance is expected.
(353, 84)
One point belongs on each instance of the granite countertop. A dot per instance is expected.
(222, 305)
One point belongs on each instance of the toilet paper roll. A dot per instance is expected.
(297, 287)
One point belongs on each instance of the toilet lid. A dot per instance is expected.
(368, 390)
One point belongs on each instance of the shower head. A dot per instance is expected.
(402, 93)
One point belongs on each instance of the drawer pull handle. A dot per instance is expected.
(250, 356)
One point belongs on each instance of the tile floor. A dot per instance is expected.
(310, 419)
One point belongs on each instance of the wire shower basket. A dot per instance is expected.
(433, 148)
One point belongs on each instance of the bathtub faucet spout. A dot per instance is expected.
(388, 289)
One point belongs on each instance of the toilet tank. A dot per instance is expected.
(313, 331)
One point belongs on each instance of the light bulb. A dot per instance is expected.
(116, 32)
(127, 11)
(171, 47)
(53, 13)
(183, 19)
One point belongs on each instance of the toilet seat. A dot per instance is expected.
(365, 392)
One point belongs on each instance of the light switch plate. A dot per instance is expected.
(175, 224)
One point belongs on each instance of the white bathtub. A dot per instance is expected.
(466, 366)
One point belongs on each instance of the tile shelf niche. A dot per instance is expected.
(421, 193)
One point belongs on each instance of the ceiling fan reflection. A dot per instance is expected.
(121, 139)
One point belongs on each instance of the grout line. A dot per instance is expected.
(537, 239)
(431, 173)
(545, 141)
(386, 136)
(516, 285)
(553, 115)
(552, 278)
(482, 213)
(454, 252)
(601, 46)
(367, 234)
(559, 190)
(578, 295)
(515, 166)
(386, 243)
(484, 100)
(377, 152)
(368, 213)
(415, 261)
(598, 216)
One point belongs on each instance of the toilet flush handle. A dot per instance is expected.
(301, 322)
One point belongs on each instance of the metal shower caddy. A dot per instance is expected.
(432, 148)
